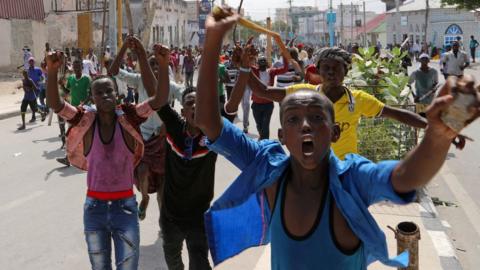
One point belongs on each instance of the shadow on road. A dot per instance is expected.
(49, 140)
(151, 257)
(25, 130)
(53, 154)
(63, 172)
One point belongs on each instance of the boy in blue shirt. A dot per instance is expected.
(310, 205)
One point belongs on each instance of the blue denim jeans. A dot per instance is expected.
(107, 220)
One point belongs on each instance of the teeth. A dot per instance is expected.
(308, 140)
(308, 154)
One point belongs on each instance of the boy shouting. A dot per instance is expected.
(310, 205)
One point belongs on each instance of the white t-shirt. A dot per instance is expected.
(88, 67)
(180, 60)
(454, 64)
(153, 123)
(264, 77)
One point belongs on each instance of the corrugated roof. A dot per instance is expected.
(22, 9)
(375, 22)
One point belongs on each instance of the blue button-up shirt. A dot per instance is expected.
(240, 218)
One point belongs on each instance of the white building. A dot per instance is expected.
(445, 24)
(313, 27)
(191, 36)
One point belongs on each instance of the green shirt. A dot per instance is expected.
(78, 89)
(222, 72)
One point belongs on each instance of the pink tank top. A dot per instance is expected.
(110, 164)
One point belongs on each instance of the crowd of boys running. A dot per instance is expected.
(311, 204)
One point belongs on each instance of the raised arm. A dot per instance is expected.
(148, 78)
(54, 62)
(247, 55)
(160, 97)
(115, 66)
(207, 115)
(261, 90)
(423, 162)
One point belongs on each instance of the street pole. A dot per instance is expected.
(351, 22)
(290, 25)
(102, 47)
(427, 11)
(112, 26)
(331, 25)
(269, 42)
(341, 23)
(356, 28)
(364, 26)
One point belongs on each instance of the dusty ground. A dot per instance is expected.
(9, 83)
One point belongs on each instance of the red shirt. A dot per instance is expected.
(272, 72)
(311, 75)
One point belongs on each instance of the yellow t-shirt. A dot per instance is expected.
(364, 105)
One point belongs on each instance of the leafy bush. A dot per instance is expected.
(384, 78)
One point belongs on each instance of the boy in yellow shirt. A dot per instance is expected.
(349, 105)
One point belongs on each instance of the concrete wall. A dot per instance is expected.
(5, 44)
(62, 30)
(15, 35)
(39, 36)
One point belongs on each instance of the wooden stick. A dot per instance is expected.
(220, 13)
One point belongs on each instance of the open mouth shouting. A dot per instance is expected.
(307, 146)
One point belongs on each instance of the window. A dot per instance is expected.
(452, 33)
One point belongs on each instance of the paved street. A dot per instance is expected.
(42, 205)
(458, 183)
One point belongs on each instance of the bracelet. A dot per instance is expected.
(227, 113)
(246, 70)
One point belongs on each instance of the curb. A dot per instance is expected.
(10, 114)
(436, 229)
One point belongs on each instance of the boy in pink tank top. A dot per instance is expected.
(105, 141)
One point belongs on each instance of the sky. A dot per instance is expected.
(259, 9)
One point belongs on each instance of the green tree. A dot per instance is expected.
(463, 4)
(279, 26)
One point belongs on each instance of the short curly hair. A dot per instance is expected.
(334, 53)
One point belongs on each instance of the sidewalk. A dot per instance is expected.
(10, 99)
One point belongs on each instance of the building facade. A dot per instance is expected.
(21, 24)
(444, 25)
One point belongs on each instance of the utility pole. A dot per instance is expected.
(112, 25)
(364, 26)
(290, 25)
(331, 25)
(351, 22)
(269, 42)
(427, 11)
(341, 23)
(356, 28)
